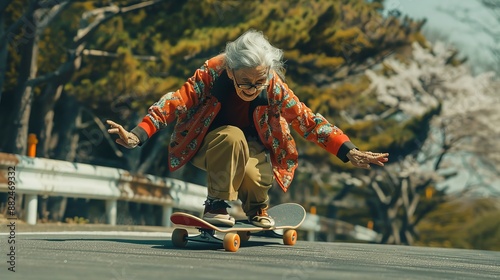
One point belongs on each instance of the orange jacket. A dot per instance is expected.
(195, 106)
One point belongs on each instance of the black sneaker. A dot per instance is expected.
(216, 213)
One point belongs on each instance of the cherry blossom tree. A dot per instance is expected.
(466, 127)
(462, 139)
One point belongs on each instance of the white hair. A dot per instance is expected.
(252, 49)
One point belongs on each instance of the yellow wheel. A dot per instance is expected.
(290, 237)
(244, 236)
(179, 237)
(231, 242)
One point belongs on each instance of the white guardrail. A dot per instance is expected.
(40, 176)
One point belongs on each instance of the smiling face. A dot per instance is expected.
(249, 82)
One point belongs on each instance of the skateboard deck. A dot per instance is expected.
(287, 217)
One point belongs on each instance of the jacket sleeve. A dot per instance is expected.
(313, 127)
(170, 105)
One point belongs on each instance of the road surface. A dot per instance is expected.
(140, 256)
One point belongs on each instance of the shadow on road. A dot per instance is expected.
(166, 244)
(193, 245)
(155, 242)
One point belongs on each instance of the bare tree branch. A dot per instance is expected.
(413, 206)
(83, 34)
(380, 194)
(53, 12)
(100, 53)
(105, 14)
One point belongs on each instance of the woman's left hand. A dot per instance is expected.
(364, 159)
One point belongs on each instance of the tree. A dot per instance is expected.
(36, 19)
(434, 97)
(413, 88)
(40, 14)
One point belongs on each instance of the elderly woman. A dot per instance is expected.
(233, 118)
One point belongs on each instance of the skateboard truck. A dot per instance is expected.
(206, 235)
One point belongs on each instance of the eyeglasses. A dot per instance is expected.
(249, 85)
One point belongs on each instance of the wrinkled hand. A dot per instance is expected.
(364, 159)
(127, 139)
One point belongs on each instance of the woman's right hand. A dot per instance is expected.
(127, 139)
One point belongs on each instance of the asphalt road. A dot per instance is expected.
(141, 256)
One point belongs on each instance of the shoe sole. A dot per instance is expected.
(258, 224)
(218, 222)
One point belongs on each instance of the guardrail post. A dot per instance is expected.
(330, 236)
(111, 206)
(31, 208)
(167, 212)
(311, 235)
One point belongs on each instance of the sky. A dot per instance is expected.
(468, 39)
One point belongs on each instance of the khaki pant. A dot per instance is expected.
(237, 168)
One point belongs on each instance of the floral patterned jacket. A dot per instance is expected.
(195, 106)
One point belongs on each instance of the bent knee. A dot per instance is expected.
(232, 135)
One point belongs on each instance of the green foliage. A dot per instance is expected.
(77, 220)
(464, 223)
(318, 37)
(484, 232)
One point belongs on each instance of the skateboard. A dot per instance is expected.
(287, 217)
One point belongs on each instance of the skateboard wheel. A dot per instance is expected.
(179, 237)
(231, 242)
(244, 236)
(290, 237)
